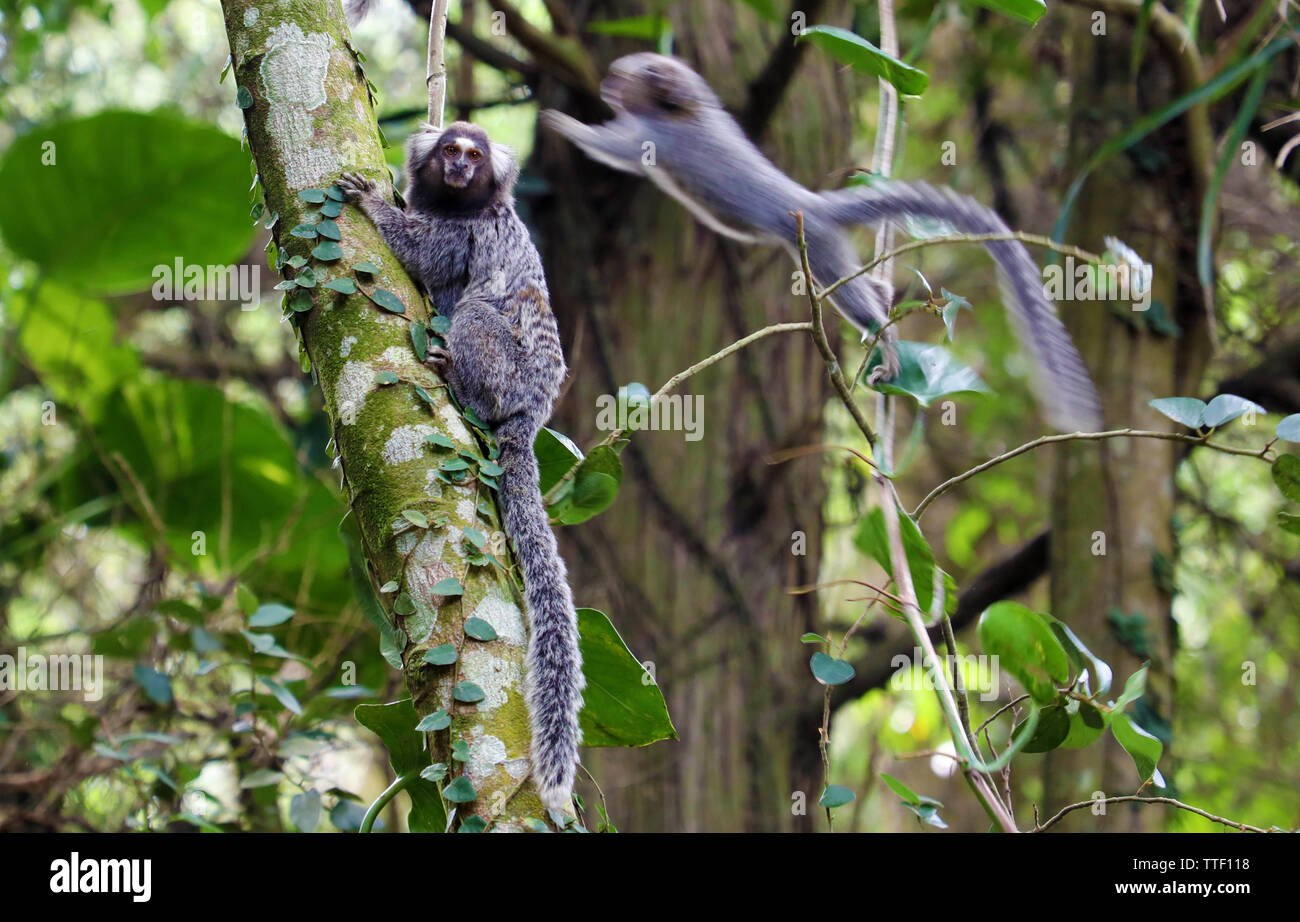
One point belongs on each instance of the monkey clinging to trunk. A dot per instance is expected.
(671, 128)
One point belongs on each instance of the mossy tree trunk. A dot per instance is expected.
(309, 118)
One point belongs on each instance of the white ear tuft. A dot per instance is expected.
(504, 167)
(421, 143)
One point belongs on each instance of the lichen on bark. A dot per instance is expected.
(309, 120)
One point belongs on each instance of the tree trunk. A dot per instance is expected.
(308, 119)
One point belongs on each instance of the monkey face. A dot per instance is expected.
(462, 161)
(655, 85)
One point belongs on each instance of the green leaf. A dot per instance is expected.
(1286, 474)
(387, 300)
(329, 251)
(1025, 647)
(1134, 688)
(314, 196)
(1188, 411)
(1029, 11)
(861, 55)
(460, 791)
(131, 194)
(1289, 428)
(622, 705)
(156, 686)
(467, 693)
(245, 599)
(442, 441)
(1289, 522)
(835, 796)
(403, 604)
(1227, 407)
(416, 518)
(765, 8)
(1218, 86)
(450, 586)
(441, 655)
(1052, 729)
(812, 638)
(438, 720)
(304, 231)
(329, 230)
(281, 694)
(480, 629)
(556, 454)
(342, 286)
(1086, 725)
(1144, 748)
(305, 810)
(830, 671)
(907, 794)
(872, 540)
(270, 615)
(595, 487)
(1081, 657)
(420, 339)
(394, 724)
(367, 268)
(331, 209)
(927, 372)
(1231, 151)
(386, 377)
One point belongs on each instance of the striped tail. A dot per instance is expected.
(555, 679)
(1062, 383)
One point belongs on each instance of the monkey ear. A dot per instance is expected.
(504, 168)
(420, 145)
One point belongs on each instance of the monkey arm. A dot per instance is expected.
(617, 143)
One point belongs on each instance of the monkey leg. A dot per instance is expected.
(483, 361)
(864, 301)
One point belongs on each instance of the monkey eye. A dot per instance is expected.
(475, 155)
(450, 150)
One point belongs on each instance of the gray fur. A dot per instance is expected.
(670, 127)
(503, 359)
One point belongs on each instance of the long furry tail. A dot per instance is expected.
(555, 679)
(1063, 385)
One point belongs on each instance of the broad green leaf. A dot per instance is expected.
(1289, 428)
(556, 454)
(1227, 407)
(1289, 522)
(431, 723)
(927, 372)
(394, 723)
(1286, 474)
(622, 705)
(344, 286)
(595, 487)
(830, 671)
(448, 587)
(1133, 690)
(812, 638)
(387, 300)
(329, 251)
(1138, 743)
(129, 196)
(467, 693)
(442, 655)
(765, 8)
(1086, 724)
(305, 810)
(156, 686)
(902, 790)
(860, 54)
(479, 629)
(1029, 11)
(1053, 727)
(460, 791)
(1081, 657)
(270, 615)
(1188, 411)
(1025, 647)
(281, 694)
(872, 540)
(262, 778)
(835, 796)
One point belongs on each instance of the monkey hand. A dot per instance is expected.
(355, 186)
(889, 366)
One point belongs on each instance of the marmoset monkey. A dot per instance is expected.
(670, 127)
(460, 236)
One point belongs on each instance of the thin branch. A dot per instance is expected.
(1200, 440)
(1133, 798)
(823, 344)
(1032, 239)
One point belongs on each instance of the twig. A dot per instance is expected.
(1000, 711)
(1034, 239)
(1133, 798)
(1201, 440)
(681, 376)
(823, 344)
